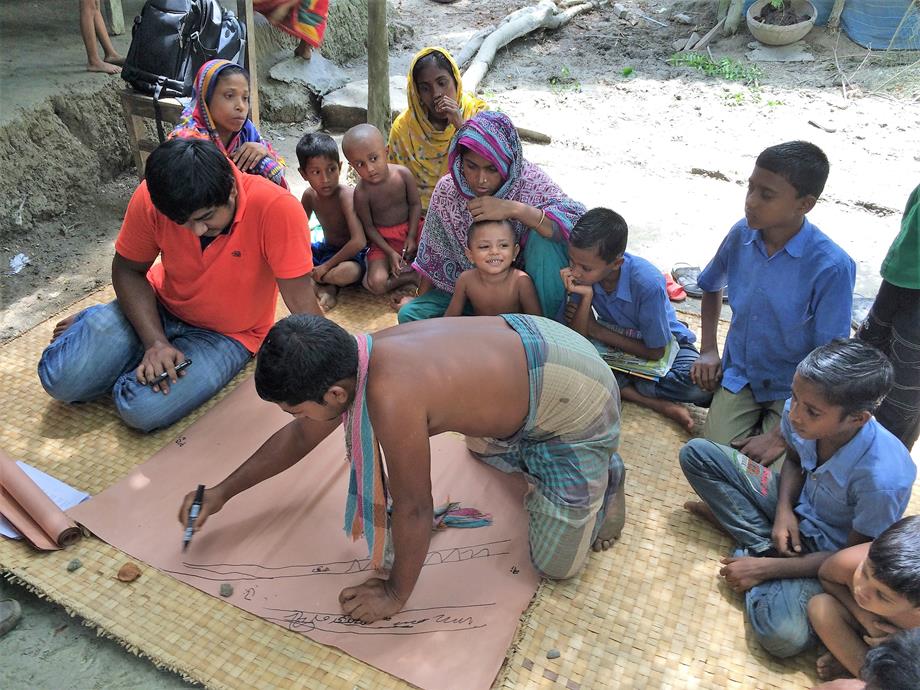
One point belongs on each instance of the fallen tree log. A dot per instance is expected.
(472, 46)
(544, 15)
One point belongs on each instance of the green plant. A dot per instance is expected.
(725, 68)
(627, 71)
(564, 80)
(734, 99)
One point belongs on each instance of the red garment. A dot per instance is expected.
(395, 236)
(305, 20)
(230, 287)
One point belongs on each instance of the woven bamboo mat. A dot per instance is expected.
(649, 613)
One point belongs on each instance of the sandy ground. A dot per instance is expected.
(665, 146)
(43, 54)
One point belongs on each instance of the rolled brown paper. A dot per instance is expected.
(30, 511)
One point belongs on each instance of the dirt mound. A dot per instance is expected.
(57, 154)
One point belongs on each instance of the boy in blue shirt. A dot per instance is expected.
(845, 480)
(791, 290)
(628, 293)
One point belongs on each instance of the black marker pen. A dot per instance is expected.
(165, 375)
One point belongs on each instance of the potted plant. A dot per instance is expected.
(780, 22)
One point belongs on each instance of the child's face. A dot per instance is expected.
(813, 417)
(322, 174)
(873, 595)
(229, 103)
(493, 248)
(432, 84)
(772, 203)
(369, 159)
(589, 268)
(480, 174)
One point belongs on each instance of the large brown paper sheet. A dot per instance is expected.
(30, 511)
(283, 547)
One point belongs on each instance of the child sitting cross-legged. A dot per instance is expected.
(627, 293)
(339, 257)
(388, 204)
(494, 286)
(872, 591)
(845, 480)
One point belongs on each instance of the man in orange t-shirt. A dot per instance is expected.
(227, 243)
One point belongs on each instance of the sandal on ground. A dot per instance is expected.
(675, 292)
(686, 275)
(10, 613)
(861, 307)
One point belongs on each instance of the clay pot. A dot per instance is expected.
(773, 35)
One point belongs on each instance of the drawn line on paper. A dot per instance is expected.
(254, 571)
(402, 624)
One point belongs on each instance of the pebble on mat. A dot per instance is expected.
(553, 654)
(129, 572)
(226, 589)
(75, 564)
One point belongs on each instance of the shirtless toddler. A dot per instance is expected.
(388, 204)
(339, 257)
(494, 286)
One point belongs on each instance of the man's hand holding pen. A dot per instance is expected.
(212, 501)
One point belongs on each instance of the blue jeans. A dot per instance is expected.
(98, 354)
(742, 494)
(676, 385)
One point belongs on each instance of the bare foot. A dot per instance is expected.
(701, 510)
(280, 13)
(670, 409)
(679, 413)
(612, 528)
(62, 326)
(103, 67)
(327, 301)
(304, 50)
(830, 669)
(399, 301)
(114, 59)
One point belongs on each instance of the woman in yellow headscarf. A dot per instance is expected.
(420, 136)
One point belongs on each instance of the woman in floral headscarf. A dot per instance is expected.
(219, 111)
(490, 180)
(420, 136)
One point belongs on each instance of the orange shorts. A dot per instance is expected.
(395, 236)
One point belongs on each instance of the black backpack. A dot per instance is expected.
(172, 39)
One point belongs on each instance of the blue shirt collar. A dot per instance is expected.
(794, 247)
(624, 292)
(841, 464)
